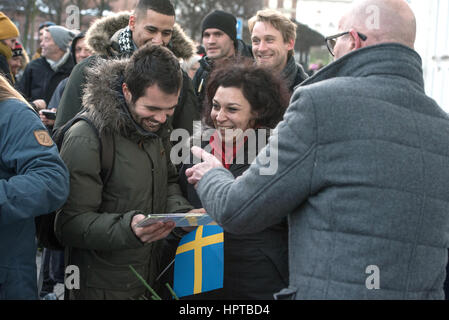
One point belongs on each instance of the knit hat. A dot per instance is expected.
(46, 24)
(221, 20)
(17, 51)
(8, 29)
(61, 36)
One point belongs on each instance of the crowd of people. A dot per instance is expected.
(360, 156)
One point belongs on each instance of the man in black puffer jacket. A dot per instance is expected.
(219, 37)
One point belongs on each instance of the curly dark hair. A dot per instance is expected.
(267, 94)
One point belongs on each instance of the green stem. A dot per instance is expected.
(172, 291)
(155, 295)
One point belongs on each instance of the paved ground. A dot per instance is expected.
(59, 288)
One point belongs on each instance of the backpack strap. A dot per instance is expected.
(106, 140)
(107, 155)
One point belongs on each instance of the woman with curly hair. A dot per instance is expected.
(244, 102)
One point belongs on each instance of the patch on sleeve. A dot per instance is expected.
(43, 138)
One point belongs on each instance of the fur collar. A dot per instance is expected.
(105, 104)
(102, 37)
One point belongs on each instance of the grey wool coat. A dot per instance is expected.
(363, 175)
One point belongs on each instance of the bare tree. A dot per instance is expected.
(30, 14)
(101, 5)
(54, 9)
(29, 10)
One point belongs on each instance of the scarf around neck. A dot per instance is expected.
(290, 71)
(126, 42)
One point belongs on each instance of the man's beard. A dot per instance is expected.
(148, 124)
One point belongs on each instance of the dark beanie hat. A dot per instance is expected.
(221, 20)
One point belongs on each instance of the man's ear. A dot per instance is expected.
(356, 42)
(290, 44)
(132, 22)
(127, 94)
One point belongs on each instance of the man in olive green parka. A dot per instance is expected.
(132, 99)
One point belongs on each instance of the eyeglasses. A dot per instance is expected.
(332, 40)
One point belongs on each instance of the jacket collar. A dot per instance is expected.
(58, 65)
(383, 59)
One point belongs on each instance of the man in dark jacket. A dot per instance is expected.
(8, 38)
(362, 170)
(131, 100)
(42, 76)
(79, 51)
(273, 38)
(219, 37)
(119, 35)
(52, 268)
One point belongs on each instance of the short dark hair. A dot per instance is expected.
(266, 93)
(151, 65)
(160, 6)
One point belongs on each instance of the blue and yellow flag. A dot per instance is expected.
(199, 261)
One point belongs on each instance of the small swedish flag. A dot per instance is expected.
(199, 261)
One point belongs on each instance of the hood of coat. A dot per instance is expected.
(105, 103)
(103, 33)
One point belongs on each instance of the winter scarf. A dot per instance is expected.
(126, 43)
(290, 72)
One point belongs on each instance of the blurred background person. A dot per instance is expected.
(42, 76)
(18, 61)
(315, 67)
(80, 51)
(8, 36)
(191, 65)
(41, 31)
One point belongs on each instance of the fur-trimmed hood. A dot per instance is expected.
(105, 103)
(101, 36)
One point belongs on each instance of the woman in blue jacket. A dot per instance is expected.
(33, 181)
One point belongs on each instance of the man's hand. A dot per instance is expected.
(44, 119)
(153, 232)
(196, 173)
(40, 104)
(190, 229)
(201, 210)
